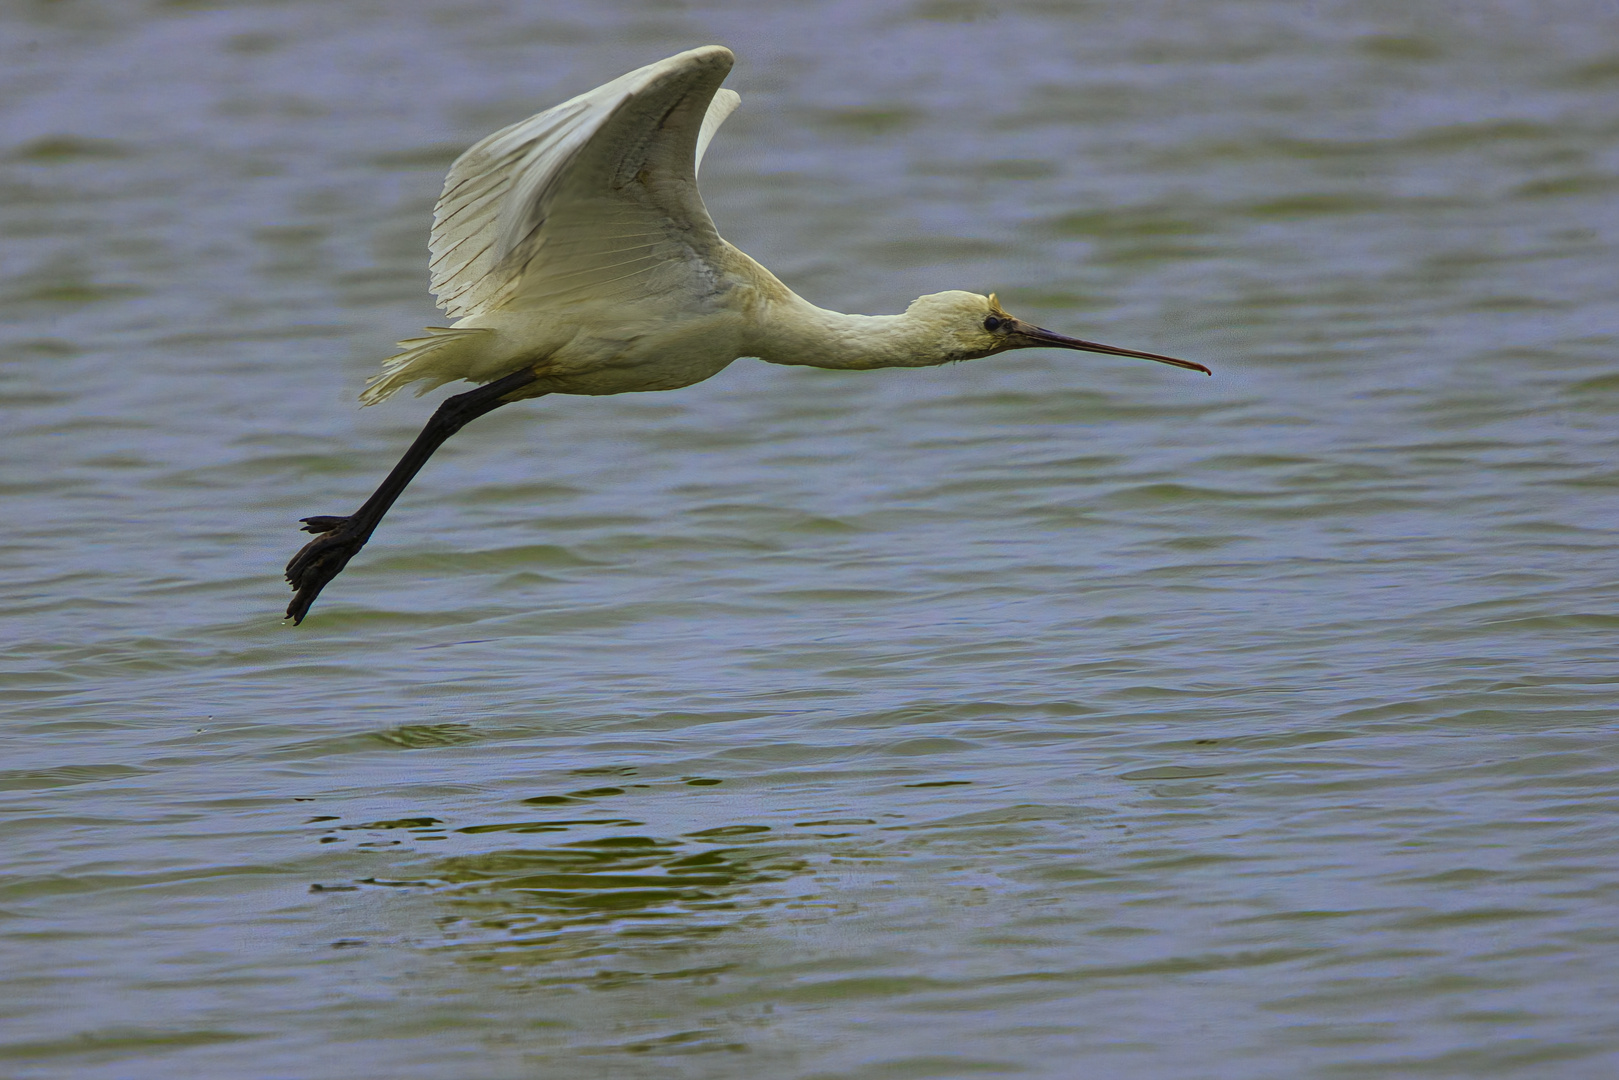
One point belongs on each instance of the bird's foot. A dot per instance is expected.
(322, 559)
(322, 524)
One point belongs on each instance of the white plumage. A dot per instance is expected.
(574, 255)
(561, 220)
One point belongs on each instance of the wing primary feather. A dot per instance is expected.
(622, 156)
(723, 105)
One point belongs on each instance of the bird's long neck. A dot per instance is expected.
(795, 331)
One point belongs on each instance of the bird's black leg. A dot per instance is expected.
(324, 557)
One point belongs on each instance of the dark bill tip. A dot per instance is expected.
(1038, 336)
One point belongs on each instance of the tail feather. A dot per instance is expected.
(418, 360)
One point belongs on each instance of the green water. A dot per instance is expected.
(1050, 716)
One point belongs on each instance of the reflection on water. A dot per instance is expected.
(635, 884)
(587, 897)
(1043, 715)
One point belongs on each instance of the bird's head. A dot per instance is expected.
(970, 326)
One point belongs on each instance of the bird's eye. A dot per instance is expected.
(993, 323)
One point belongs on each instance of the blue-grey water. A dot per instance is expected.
(1049, 716)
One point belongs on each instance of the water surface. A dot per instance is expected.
(1052, 715)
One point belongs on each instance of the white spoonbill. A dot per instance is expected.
(575, 256)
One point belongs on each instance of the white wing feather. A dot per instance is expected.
(723, 105)
(596, 196)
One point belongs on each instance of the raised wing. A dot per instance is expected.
(723, 105)
(597, 195)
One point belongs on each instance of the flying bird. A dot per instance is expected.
(573, 255)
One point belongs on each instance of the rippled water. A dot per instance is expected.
(1049, 715)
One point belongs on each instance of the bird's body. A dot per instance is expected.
(575, 256)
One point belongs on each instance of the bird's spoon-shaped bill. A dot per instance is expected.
(1039, 336)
